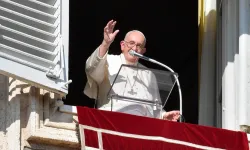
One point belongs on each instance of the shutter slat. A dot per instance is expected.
(49, 2)
(15, 53)
(27, 47)
(29, 30)
(27, 19)
(28, 11)
(21, 61)
(12, 4)
(38, 5)
(28, 39)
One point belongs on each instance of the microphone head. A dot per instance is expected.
(132, 52)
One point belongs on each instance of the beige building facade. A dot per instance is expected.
(32, 115)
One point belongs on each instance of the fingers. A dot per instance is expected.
(106, 28)
(176, 117)
(110, 26)
(175, 120)
(172, 115)
(109, 23)
(176, 112)
(114, 34)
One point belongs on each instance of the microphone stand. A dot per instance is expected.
(133, 53)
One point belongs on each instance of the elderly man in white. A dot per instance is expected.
(101, 68)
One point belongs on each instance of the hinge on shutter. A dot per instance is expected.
(56, 71)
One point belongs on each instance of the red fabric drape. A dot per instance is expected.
(180, 132)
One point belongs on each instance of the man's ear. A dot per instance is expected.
(122, 45)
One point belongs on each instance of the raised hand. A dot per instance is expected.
(108, 38)
(109, 35)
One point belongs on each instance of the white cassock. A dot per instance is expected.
(133, 83)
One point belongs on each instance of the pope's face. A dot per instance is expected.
(135, 41)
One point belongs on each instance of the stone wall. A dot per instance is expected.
(31, 118)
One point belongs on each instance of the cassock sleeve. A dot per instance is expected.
(95, 68)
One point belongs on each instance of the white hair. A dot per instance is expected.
(144, 43)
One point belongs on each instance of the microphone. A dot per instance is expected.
(134, 53)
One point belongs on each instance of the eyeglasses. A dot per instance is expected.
(131, 44)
